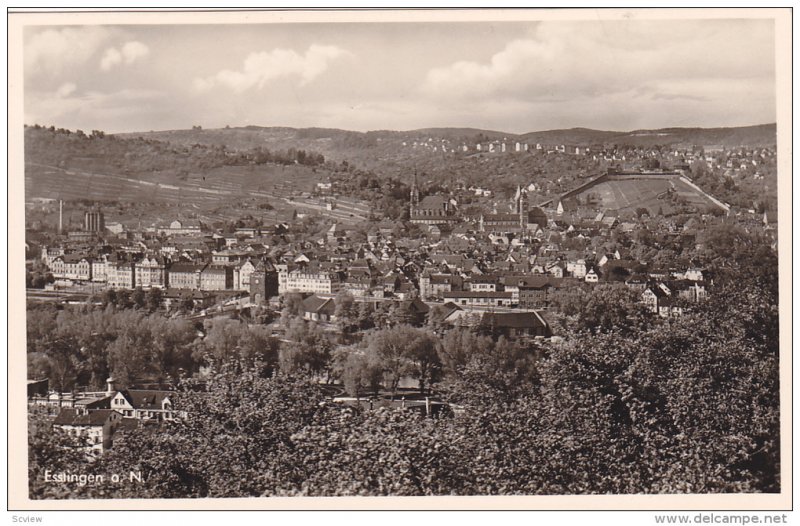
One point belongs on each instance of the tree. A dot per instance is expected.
(154, 298)
(292, 304)
(309, 351)
(187, 305)
(357, 370)
(459, 347)
(51, 449)
(346, 312)
(235, 441)
(605, 307)
(108, 297)
(402, 351)
(139, 298)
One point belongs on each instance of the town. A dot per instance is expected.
(454, 255)
(380, 310)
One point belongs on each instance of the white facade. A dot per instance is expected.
(313, 282)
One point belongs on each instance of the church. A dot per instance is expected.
(433, 209)
(523, 220)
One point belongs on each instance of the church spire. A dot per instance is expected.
(414, 195)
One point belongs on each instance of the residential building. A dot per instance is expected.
(515, 325)
(151, 272)
(214, 277)
(313, 281)
(96, 426)
(144, 404)
(185, 275)
(241, 274)
(72, 266)
(319, 309)
(478, 299)
(121, 275)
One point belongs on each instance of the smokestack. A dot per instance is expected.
(60, 216)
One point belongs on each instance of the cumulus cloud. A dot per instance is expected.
(589, 59)
(128, 53)
(53, 51)
(261, 67)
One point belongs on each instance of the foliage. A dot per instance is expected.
(602, 308)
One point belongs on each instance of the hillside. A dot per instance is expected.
(760, 135)
(62, 165)
(223, 166)
(342, 144)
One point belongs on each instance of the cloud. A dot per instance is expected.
(65, 90)
(89, 110)
(259, 68)
(53, 51)
(111, 58)
(129, 53)
(590, 59)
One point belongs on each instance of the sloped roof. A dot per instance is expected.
(71, 417)
(513, 320)
(319, 305)
(145, 398)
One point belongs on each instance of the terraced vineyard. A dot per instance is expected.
(214, 185)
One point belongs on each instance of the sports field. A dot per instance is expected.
(631, 193)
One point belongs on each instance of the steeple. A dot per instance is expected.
(522, 210)
(414, 195)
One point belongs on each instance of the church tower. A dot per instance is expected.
(522, 209)
(414, 196)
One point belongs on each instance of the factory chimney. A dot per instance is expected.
(60, 216)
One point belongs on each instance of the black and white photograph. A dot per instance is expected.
(488, 253)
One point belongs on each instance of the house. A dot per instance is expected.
(417, 309)
(150, 272)
(536, 292)
(198, 298)
(480, 299)
(180, 227)
(215, 277)
(241, 274)
(96, 426)
(669, 307)
(100, 268)
(72, 266)
(577, 268)
(514, 325)
(357, 285)
(482, 284)
(185, 276)
(694, 274)
(319, 309)
(652, 297)
(315, 281)
(143, 404)
(591, 277)
(121, 275)
(335, 234)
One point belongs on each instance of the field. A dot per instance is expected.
(651, 193)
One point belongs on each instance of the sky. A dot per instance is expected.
(515, 77)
